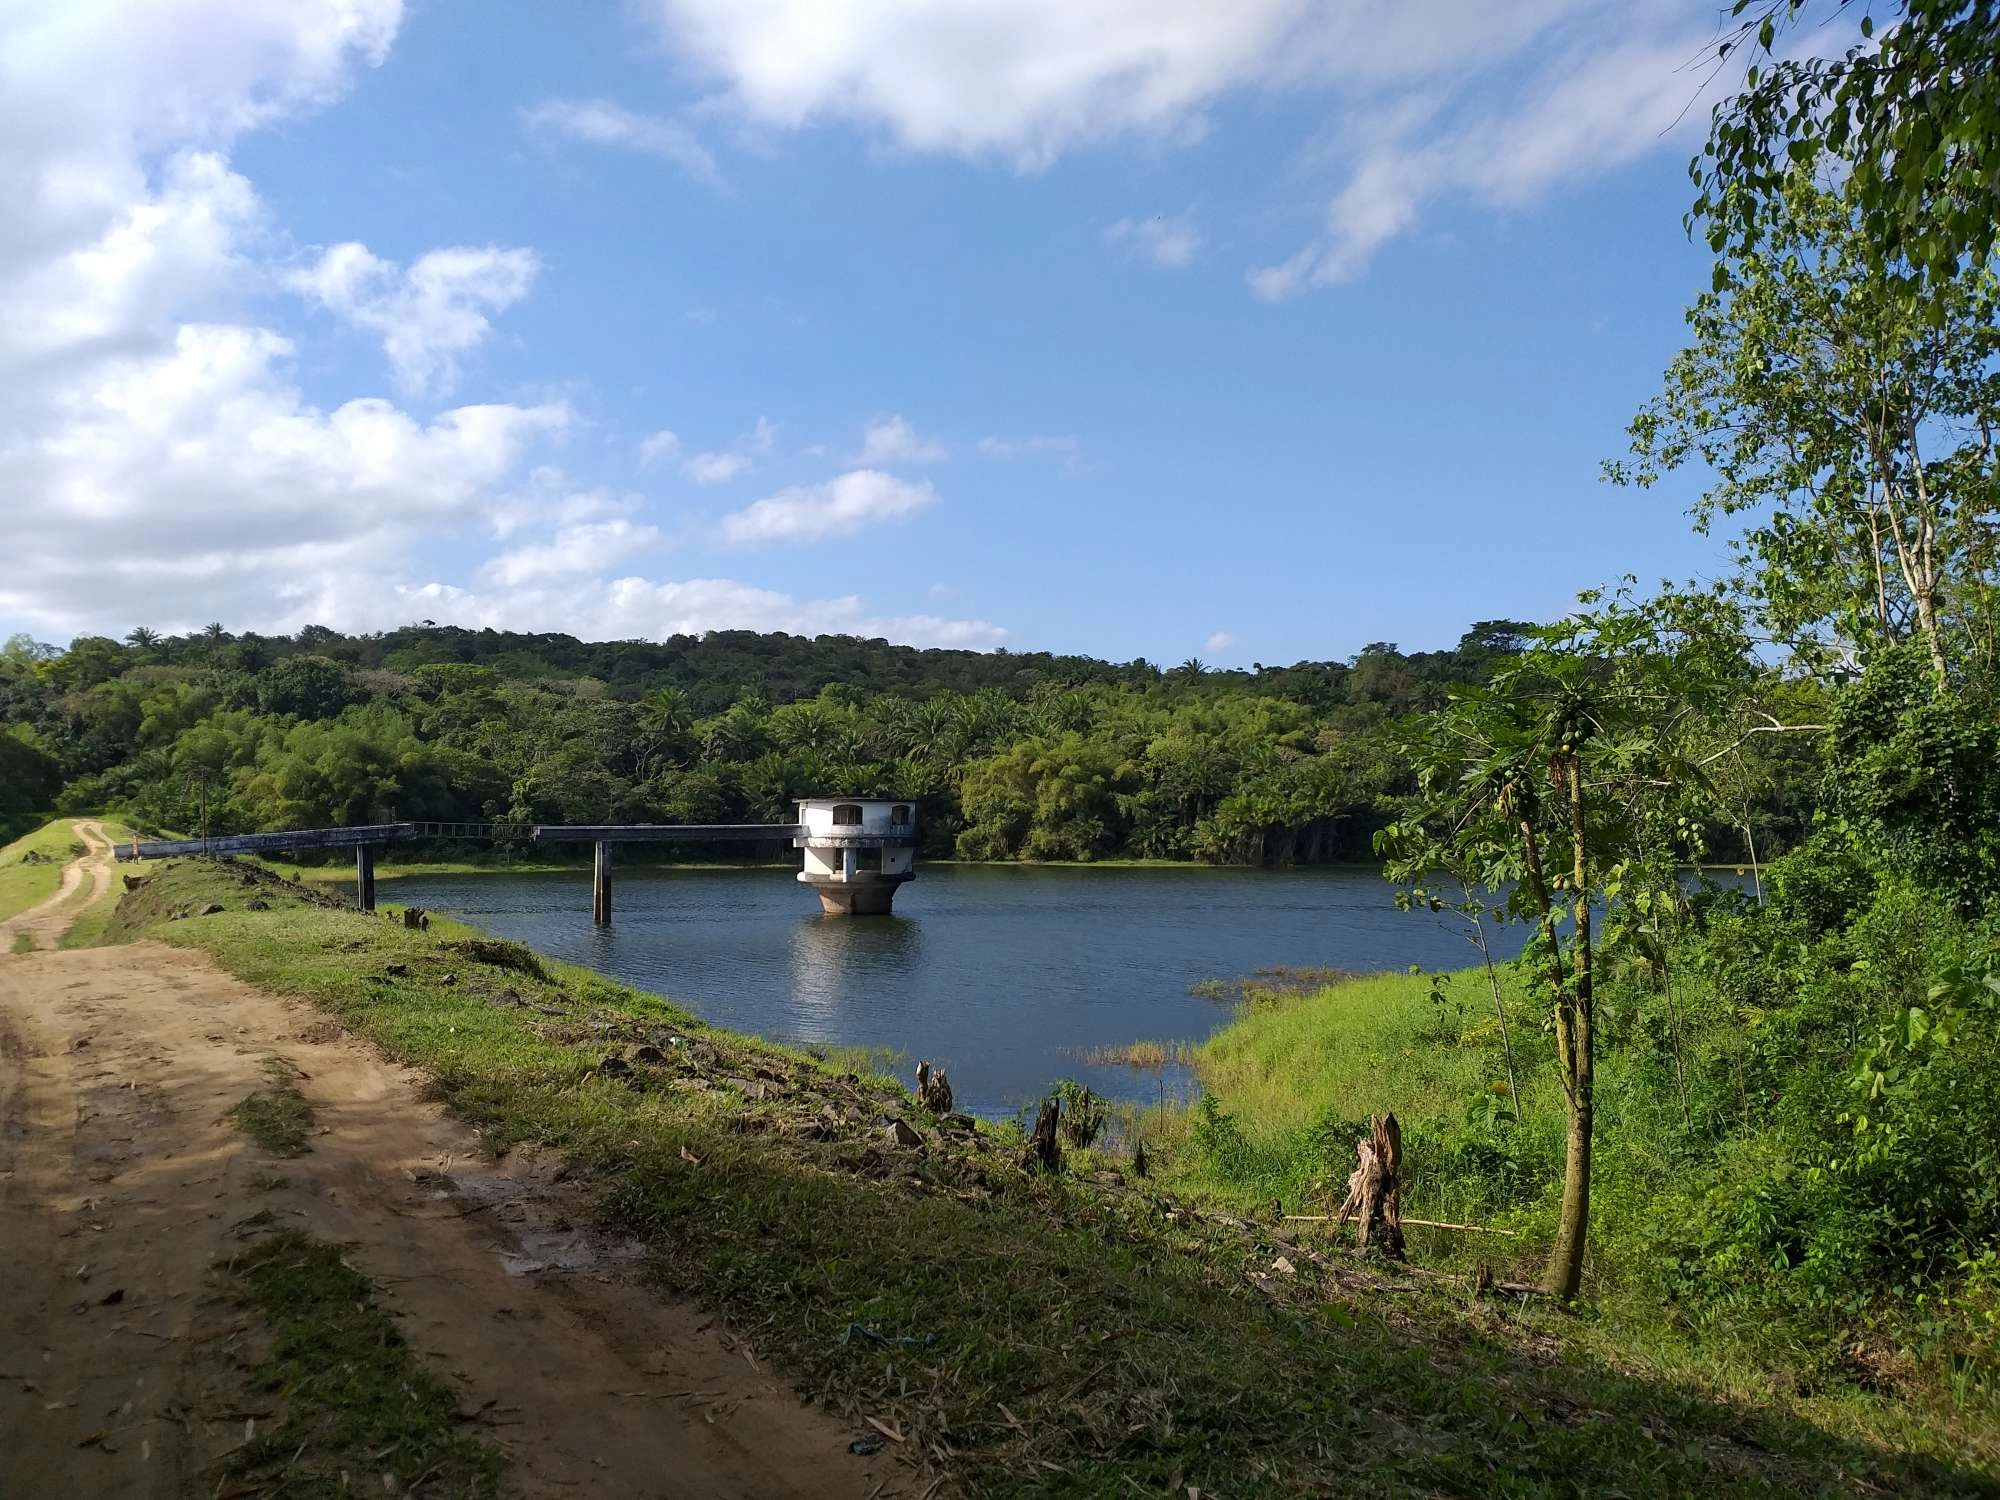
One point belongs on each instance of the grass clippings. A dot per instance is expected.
(360, 1413)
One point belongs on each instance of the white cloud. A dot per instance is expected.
(157, 459)
(194, 483)
(1446, 98)
(1221, 641)
(1167, 240)
(716, 468)
(1592, 108)
(428, 315)
(723, 465)
(639, 608)
(891, 440)
(1006, 448)
(598, 122)
(574, 551)
(807, 513)
(1024, 81)
(662, 444)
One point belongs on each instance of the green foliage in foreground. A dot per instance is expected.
(359, 1407)
(1070, 1338)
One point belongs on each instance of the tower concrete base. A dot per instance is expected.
(858, 898)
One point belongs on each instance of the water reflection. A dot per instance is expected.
(827, 952)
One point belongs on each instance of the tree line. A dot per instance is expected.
(1011, 755)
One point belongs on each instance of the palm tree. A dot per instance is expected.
(215, 637)
(142, 640)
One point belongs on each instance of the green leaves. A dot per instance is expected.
(1913, 112)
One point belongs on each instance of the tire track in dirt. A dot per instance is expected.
(47, 920)
(121, 1189)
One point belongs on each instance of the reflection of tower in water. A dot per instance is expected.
(842, 965)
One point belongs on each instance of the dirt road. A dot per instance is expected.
(122, 1188)
(46, 922)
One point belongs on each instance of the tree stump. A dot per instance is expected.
(933, 1089)
(416, 916)
(1045, 1146)
(1374, 1191)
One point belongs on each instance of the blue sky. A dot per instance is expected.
(1164, 329)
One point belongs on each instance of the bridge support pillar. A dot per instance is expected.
(600, 886)
(364, 875)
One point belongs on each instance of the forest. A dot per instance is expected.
(1013, 756)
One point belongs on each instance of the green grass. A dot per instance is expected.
(1069, 1338)
(31, 867)
(23, 943)
(277, 1116)
(361, 1415)
(1299, 1074)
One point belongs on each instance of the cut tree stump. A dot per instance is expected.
(933, 1089)
(1045, 1146)
(1374, 1191)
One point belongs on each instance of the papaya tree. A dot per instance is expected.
(1545, 784)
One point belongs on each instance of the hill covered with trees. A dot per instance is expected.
(1013, 755)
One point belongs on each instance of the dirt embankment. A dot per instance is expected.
(122, 1189)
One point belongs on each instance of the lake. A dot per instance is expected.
(1003, 974)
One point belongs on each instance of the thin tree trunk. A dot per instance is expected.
(1756, 879)
(1674, 1022)
(1564, 1276)
(1500, 1014)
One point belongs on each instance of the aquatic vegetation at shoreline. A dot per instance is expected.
(1275, 982)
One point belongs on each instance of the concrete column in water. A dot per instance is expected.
(600, 886)
(364, 876)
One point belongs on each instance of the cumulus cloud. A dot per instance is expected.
(662, 444)
(157, 458)
(1221, 641)
(722, 465)
(574, 551)
(1167, 240)
(891, 440)
(598, 122)
(197, 481)
(810, 512)
(427, 315)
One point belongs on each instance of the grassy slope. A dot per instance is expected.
(31, 867)
(1298, 1076)
(1069, 1338)
(1301, 1074)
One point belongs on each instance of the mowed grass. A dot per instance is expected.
(360, 1413)
(1037, 1335)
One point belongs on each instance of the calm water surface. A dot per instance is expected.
(1003, 974)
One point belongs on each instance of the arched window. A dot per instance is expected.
(847, 815)
(899, 815)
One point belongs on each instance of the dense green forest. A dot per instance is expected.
(1012, 755)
